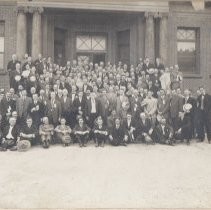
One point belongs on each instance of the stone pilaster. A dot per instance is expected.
(21, 45)
(149, 36)
(163, 42)
(36, 31)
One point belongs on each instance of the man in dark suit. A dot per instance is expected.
(67, 106)
(190, 100)
(7, 106)
(117, 135)
(35, 110)
(79, 104)
(143, 129)
(158, 64)
(11, 66)
(29, 132)
(22, 106)
(91, 110)
(14, 80)
(129, 127)
(10, 136)
(204, 104)
(135, 103)
(147, 64)
(39, 64)
(175, 108)
(54, 109)
(163, 133)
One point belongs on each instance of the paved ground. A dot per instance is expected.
(134, 176)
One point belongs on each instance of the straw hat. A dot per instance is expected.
(17, 78)
(187, 107)
(23, 145)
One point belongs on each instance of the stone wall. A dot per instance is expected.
(8, 14)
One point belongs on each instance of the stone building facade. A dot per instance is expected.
(178, 32)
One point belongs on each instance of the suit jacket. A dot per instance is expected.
(36, 115)
(88, 107)
(119, 103)
(191, 101)
(149, 66)
(104, 105)
(159, 136)
(54, 110)
(12, 65)
(175, 106)
(5, 104)
(79, 104)
(186, 126)
(66, 105)
(207, 105)
(164, 106)
(15, 131)
(135, 105)
(22, 106)
(141, 127)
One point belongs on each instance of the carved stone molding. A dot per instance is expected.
(21, 9)
(36, 9)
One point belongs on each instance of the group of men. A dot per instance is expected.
(79, 102)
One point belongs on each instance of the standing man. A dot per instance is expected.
(22, 106)
(204, 103)
(54, 109)
(11, 66)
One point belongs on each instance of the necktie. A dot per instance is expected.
(202, 102)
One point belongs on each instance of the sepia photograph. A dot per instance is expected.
(105, 104)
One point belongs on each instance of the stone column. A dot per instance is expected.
(150, 36)
(36, 31)
(21, 46)
(163, 42)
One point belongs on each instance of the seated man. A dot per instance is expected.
(46, 132)
(143, 129)
(63, 132)
(163, 133)
(100, 132)
(117, 136)
(81, 132)
(28, 133)
(129, 127)
(185, 126)
(10, 136)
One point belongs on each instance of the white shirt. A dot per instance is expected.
(163, 126)
(9, 135)
(93, 105)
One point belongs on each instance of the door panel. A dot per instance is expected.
(123, 51)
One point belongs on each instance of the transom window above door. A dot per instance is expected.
(91, 43)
